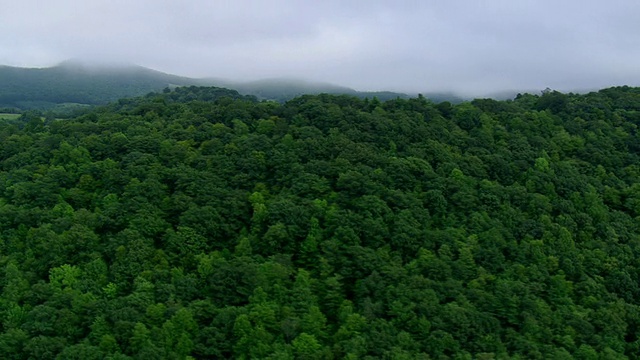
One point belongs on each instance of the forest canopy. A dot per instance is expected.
(200, 223)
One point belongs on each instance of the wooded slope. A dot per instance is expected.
(202, 223)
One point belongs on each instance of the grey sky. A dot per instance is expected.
(469, 46)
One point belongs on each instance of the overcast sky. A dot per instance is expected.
(470, 46)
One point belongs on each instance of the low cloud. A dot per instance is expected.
(466, 46)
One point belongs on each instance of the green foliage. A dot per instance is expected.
(199, 223)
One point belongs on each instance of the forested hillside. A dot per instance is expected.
(198, 222)
(74, 85)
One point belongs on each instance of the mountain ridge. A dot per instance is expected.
(77, 82)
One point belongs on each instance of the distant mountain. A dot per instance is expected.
(74, 83)
(283, 89)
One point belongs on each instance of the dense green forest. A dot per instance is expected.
(200, 223)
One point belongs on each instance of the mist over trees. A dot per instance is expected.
(198, 222)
